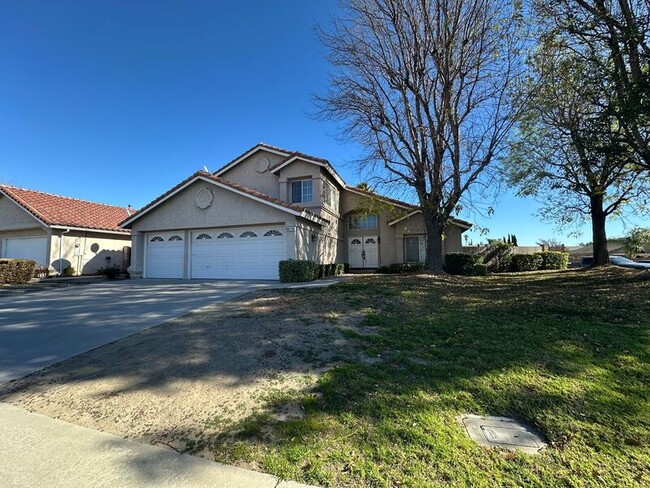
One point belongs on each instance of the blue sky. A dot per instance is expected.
(117, 102)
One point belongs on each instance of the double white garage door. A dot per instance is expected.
(234, 253)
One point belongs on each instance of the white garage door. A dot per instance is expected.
(26, 248)
(242, 253)
(165, 253)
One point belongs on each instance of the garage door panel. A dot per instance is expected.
(165, 255)
(34, 248)
(239, 253)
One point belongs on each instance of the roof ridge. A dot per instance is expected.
(62, 196)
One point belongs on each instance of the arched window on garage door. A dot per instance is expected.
(157, 239)
(225, 235)
(203, 236)
(272, 233)
(248, 233)
(175, 238)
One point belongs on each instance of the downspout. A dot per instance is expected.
(61, 250)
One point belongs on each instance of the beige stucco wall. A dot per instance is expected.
(87, 251)
(391, 238)
(387, 252)
(452, 241)
(228, 209)
(14, 218)
(245, 173)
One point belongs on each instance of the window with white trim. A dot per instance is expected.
(272, 233)
(203, 236)
(248, 233)
(363, 222)
(175, 238)
(157, 239)
(301, 191)
(225, 235)
(330, 195)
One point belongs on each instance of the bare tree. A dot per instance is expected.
(425, 87)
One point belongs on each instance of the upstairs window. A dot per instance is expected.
(330, 194)
(363, 222)
(301, 191)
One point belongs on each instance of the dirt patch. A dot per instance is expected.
(184, 381)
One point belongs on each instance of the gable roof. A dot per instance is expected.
(257, 147)
(58, 211)
(228, 185)
(298, 156)
(289, 157)
(406, 206)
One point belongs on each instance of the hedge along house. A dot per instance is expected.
(267, 205)
(58, 232)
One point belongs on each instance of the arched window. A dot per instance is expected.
(371, 240)
(157, 239)
(248, 233)
(175, 238)
(355, 241)
(272, 233)
(203, 236)
(225, 235)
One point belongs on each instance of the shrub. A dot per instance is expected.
(293, 270)
(398, 268)
(340, 268)
(525, 262)
(497, 256)
(459, 263)
(329, 269)
(111, 272)
(346, 268)
(479, 269)
(16, 271)
(554, 259)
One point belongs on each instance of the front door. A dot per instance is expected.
(363, 252)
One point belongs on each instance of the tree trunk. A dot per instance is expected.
(599, 237)
(434, 230)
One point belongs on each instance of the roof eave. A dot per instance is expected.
(250, 152)
(327, 166)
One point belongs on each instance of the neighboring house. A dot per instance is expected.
(267, 205)
(615, 246)
(58, 232)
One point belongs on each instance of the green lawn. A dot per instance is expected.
(568, 352)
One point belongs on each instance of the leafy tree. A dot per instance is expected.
(570, 149)
(425, 87)
(613, 38)
(637, 242)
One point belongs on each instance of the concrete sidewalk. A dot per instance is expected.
(38, 451)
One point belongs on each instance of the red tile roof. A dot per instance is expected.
(290, 155)
(66, 211)
(235, 186)
(260, 144)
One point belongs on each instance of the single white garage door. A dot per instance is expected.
(241, 253)
(165, 252)
(26, 248)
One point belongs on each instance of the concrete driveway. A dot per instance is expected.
(43, 328)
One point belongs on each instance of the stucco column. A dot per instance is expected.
(292, 239)
(137, 254)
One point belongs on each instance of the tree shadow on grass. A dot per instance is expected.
(565, 352)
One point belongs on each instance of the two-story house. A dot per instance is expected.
(267, 205)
